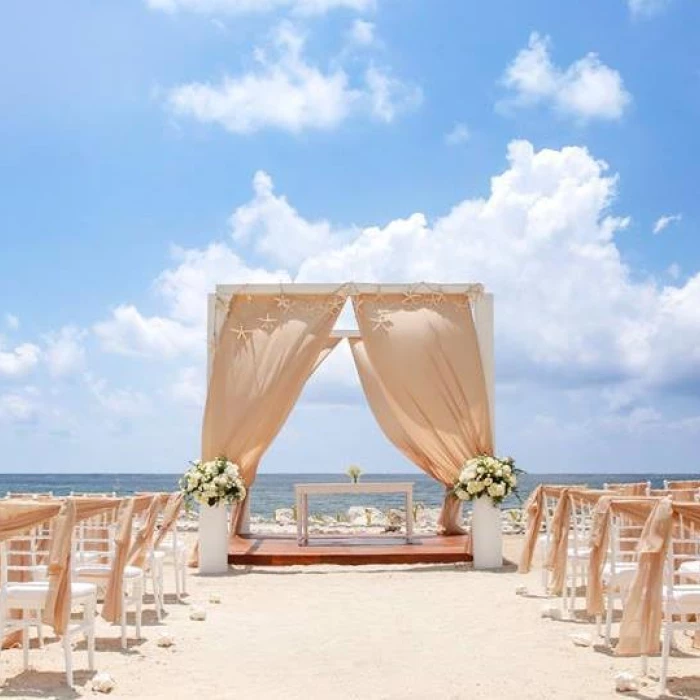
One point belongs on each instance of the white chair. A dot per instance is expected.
(29, 598)
(680, 600)
(620, 567)
(174, 553)
(579, 550)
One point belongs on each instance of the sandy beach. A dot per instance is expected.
(341, 632)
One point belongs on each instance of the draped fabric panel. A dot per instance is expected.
(170, 515)
(267, 347)
(420, 367)
(142, 541)
(114, 593)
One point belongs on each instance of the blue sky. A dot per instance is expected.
(153, 148)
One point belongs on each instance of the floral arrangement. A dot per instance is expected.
(354, 473)
(487, 476)
(214, 482)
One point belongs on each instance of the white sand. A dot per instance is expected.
(340, 632)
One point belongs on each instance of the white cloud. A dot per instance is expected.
(362, 32)
(458, 135)
(276, 229)
(647, 8)
(664, 222)
(128, 332)
(184, 289)
(65, 353)
(122, 402)
(189, 387)
(18, 408)
(240, 7)
(11, 321)
(288, 93)
(20, 361)
(586, 90)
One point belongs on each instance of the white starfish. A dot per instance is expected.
(283, 303)
(268, 322)
(335, 305)
(380, 321)
(410, 298)
(241, 333)
(437, 298)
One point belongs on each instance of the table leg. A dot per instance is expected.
(409, 516)
(305, 508)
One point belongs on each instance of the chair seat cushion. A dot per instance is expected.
(623, 576)
(36, 591)
(580, 553)
(103, 571)
(690, 568)
(685, 596)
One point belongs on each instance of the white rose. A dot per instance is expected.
(499, 473)
(488, 481)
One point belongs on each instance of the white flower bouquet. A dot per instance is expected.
(487, 476)
(214, 482)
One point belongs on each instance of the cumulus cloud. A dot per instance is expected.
(458, 135)
(569, 310)
(663, 222)
(18, 408)
(362, 32)
(19, 361)
(287, 92)
(276, 229)
(121, 402)
(241, 7)
(647, 8)
(65, 352)
(189, 386)
(184, 289)
(588, 89)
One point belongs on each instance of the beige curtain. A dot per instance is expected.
(114, 593)
(420, 368)
(267, 348)
(688, 484)
(642, 613)
(144, 537)
(170, 515)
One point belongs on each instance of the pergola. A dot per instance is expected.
(248, 321)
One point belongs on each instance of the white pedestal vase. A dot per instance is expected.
(487, 536)
(213, 539)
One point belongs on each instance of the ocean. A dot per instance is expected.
(272, 491)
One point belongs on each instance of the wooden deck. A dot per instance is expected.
(273, 550)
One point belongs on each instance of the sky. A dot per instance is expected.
(151, 149)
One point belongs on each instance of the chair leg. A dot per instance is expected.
(665, 652)
(609, 609)
(176, 570)
(156, 591)
(598, 625)
(90, 635)
(644, 665)
(68, 654)
(138, 601)
(25, 646)
(123, 622)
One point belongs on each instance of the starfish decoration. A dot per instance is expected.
(437, 298)
(411, 298)
(283, 303)
(241, 333)
(381, 321)
(335, 304)
(268, 322)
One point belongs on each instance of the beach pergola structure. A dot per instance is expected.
(424, 353)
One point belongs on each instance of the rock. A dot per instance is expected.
(581, 639)
(103, 683)
(553, 612)
(284, 516)
(215, 598)
(365, 516)
(626, 682)
(198, 613)
(165, 639)
(521, 590)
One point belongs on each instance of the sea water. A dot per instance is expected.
(273, 491)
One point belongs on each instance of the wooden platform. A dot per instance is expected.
(284, 551)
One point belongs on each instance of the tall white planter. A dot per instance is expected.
(213, 539)
(487, 536)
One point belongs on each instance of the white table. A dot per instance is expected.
(303, 491)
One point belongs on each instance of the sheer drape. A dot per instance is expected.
(420, 367)
(267, 348)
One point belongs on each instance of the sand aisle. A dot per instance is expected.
(329, 632)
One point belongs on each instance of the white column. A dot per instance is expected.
(213, 539)
(483, 322)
